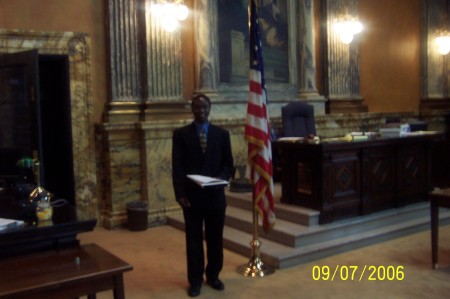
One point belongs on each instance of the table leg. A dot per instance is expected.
(119, 290)
(434, 233)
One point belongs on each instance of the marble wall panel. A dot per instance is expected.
(121, 170)
(140, 163)
(158, 161)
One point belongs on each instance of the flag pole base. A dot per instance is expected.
(255, 267)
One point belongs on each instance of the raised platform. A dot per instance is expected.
(298, 238)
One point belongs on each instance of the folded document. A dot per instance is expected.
(206, 181)
(9, 223)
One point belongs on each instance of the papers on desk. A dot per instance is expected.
(9, 223)
(206, 181)
(359, 136)
(316, 139)
(290, 139)
(421, 133)
(368, 134)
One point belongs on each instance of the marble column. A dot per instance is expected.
(435, 67)
(341, 73)
(125, 74)
(164, 71)
(307, 53)
(164, 67)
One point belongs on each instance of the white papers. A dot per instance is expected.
(368, 134)
(9, 223)
(206, 181)
(316, 139)
(290, 139)
(418, 133)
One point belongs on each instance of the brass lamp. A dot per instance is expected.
(38, 197)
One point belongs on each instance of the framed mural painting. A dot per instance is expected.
(234, 40)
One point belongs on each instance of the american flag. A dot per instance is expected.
(257, 129)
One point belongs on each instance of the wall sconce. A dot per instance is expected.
(443, 42)
(169, 13)
(346, 27)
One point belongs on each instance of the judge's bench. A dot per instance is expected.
(343, 179)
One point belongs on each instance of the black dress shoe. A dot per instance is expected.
(194, 291)
(216, 284)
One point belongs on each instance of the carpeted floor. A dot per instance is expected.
(403, 269)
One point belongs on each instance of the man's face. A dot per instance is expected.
(201, 109)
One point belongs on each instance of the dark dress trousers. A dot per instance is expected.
(207, 204)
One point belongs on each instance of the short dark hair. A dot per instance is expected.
(198, 96)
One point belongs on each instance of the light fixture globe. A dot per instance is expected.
(346, 27)
(169, 23)
(346, 37)
(156, 10)
(443, 43)
(182, 12)
(169, 13)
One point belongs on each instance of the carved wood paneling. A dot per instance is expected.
(378, 179)
(357, 178)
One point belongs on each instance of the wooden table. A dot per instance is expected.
(69, 273)
(438, 198)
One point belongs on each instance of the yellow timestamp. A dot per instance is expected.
(358, 273)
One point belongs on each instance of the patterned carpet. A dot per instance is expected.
(400, 268)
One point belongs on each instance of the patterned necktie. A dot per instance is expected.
(202, 136)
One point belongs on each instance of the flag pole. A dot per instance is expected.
(255, 267)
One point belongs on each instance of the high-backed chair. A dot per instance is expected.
(298, 120)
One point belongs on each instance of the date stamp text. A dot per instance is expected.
(358, 273)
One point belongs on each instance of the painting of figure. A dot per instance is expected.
(234, 41)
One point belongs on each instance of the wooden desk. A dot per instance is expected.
(438, 198)
(347, 179)
(56, 274)
(67, 222)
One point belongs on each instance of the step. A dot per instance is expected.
(282, 256)
(343, 228)
(292, 213)
(295, 235)
(284, 232)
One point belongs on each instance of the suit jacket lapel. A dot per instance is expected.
(212, 136)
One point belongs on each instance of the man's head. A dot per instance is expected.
(200, 106)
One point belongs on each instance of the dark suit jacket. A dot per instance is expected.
(188, 158)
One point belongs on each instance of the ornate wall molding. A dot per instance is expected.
(77, 47)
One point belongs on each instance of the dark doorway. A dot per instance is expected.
(36, 113)
(54, 86)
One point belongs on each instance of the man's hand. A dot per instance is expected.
(184, 202)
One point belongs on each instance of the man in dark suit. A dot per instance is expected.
(192, 154)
